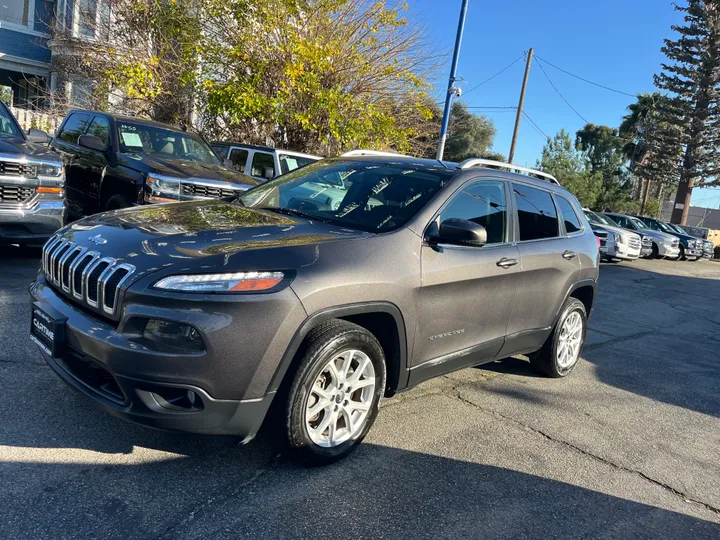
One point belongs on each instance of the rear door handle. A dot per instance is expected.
(569, 255)
(507, 263)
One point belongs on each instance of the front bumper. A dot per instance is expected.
(31, 224)
(693, 253)
(670, 252)
(646, 251)
(229, 381)
(621, 251)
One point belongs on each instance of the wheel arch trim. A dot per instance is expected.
(338, 312)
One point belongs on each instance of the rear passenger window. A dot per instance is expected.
(570, 218)
(537, 216)
(238, 157)
(482, 203)
(260, 161)
(75, 126)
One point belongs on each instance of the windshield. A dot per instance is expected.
(638, 223)
(359, 195)
(8, 128)
(676, 228)
(664, 227)
(592, 217)
(290, 163)
(163, 143)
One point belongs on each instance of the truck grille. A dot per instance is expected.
(201, 190)
(646, 241)
(16, 194)
(84, 275)
(13, 168)
(634, 242)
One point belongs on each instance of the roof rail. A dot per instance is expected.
(353, 153)
(477, 162)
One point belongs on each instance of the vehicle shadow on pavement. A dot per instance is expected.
(378, 492)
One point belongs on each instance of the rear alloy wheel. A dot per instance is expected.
(335, 394)
(562, 349)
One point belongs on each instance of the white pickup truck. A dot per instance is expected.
(260, 162)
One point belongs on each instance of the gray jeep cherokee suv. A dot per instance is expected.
(197, 316)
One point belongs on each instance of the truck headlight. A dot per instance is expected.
(51, 171)
(234, 282)
(162, 188)
(619, 238)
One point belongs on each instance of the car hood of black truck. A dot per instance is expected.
(17, 147)
(184, 168)
(205, 237)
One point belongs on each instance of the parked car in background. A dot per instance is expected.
(31, 184)
(619, 243)
(691, 248)
(663, 244)
(708, 249)
(261, 162)
(113, 162)
(322, 310)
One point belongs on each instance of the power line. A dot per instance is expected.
(559, 94)
(503, 70)
(586, 80)
(534, 124)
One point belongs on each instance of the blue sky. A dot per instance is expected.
(614, 42)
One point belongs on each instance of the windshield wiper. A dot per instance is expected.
(299, 213)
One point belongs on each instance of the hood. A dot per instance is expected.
(658, 235)
(183, 169)
(17, 147)
(205, 236)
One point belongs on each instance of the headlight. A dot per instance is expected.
(235, 282)
(162, 188)
(618, 238)
(50, 171)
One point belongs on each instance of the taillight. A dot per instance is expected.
(597, 239)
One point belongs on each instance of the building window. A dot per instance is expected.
(16, 11)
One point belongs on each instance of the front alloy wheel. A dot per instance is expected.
(339, 401)
(335, 394)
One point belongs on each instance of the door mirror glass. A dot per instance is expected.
(37, 136)
(462, 232)
(92, 142)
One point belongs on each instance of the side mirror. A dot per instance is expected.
(268, 173)
(37, 136)
(92, 142)
(462, 232)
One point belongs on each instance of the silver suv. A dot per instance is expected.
(198, 316)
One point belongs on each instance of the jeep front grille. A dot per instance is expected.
(84, 275)
(16, 194)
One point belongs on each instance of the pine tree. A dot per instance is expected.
(691, 79)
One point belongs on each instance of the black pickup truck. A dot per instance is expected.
(31, 184)
(114, 162)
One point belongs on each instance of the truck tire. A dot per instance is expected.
(561, 352)
(117, 202)
(335, 393)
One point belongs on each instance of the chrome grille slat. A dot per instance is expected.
(70, 268)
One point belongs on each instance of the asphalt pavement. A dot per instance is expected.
(627, 447)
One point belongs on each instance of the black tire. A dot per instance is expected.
(324, 342)
(655, 252)
(682, 256)
(546, 359)
(117, 202)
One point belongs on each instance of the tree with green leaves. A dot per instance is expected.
(691, 77)
(652, 146)
(469, 135)
(570, 166)
(604, 149)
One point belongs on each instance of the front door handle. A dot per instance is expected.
(569, 255)
(507, 263)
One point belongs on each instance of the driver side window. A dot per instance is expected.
(483, 203)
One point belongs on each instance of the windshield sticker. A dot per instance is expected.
(131, 139)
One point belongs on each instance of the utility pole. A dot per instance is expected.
(451, 83)
(520, 106)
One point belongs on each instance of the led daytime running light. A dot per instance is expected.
(232, 282)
